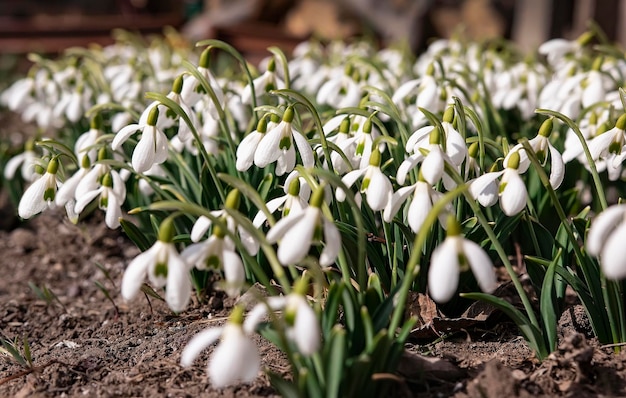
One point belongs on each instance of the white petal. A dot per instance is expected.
(420, 206)
(513, 198)
(136, 272)
(246, 149)
(483, 187)
(306, 328)
(197, 344)
(379, 190)
(178, 291)
(332, 238)
(123, 135)
(557, 168)
(397, 199)
(144, 152)
(272, 206)
(602, 227)
(613, 258)
(296, 243)
(283, 226)
(306, 153)
(481, 266)
(32, 202)
(85, 199)
(406, 165)
(235, 359)
(349, 179)
(234, 273)
(443, 273)
(113, 212)
(200, 227)
(268, 150)
(11, 167)
(432, 167)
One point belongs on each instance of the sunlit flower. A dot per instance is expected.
(302, 326)
(340, 90)
(263, 84)
(606, 240)
(152, 146)
(453, 255)
(110, 196)
(277, 145)
(193, 90)
(375, 184)
(294, 200)
(236, 359)
(303, 227)
(163, 266)
(25, 161)
(609, 147)
(41, 193)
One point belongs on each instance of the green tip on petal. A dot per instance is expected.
(344, 127)
(153, 116)
(29, 145)
(53, 166)
(430, 70)
(513, 162)
(288, 115)
(107, 181)
(218, 231)
(294, 187)
(317, 198)
(274, 118)
(593, 118)
(473, 150)
(102, 153)
(448, 115)
(546, 127)
(204, 58)
(96, 122)
(435, 137)
(271, 65)
(454, 228)
(367, 126)
(261, 126)
(349, 69)
(621, 122)
(585, 38)
(39, 169)
(603, 128)
(597, 63)
(166, 230)
(375, 157)
(233, 199)
(236, 317)
(177, 86)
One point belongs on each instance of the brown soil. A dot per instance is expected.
(82, 347)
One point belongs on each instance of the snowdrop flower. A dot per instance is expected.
(341, 90)
(25, 161)
(424, 196)
(511, 190)
(86, 142)
(41, 193)
(67, 191)
(152, 146)
(344, 141)
(375, 184)
(247, 147)
(193, 90)
(111, 195)
(453, 255)
(277, 145)
(606, 241)
(236, 359)
(543, 148)
(294, 200)
(609, 146)
(263, 84)
(163, 266)
(302, 326)
(202, 225)
(302, 227)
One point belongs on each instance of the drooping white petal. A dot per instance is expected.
(602, 227)
(306, 329)
(513, 197)
(200, 227)
(85, 199)
(407, 165)
(282, 227)
(306, 153)
(144, 152)
(235, 359)
(332, 238)
(557, 168)
(613, 255)
(113, 211)
(349, 179)
(397, 199)
(178, 290)
(268, 150)
(482, 188)
(443, 273)
(136, 272)
(32, 202)
(420, 206)
(234, 273)
(123, 135)
(11, 167)
(481, 266)
(272, 206)
(198, 343)
(432, 167)
(379, 190)
(302, 233)
(246, 149)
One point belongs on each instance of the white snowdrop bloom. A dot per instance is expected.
(263, 84)
(375, 183)
(302, 325)
(593, 124)
(511, 189)
(248, 145)
(19, 94)
(25, 162)
(85, 143)
(152, 146)
(423, 92)
(67, 191)
(303, 227)
(609, 148)
(606, 240)
(297, 194)
(202, 225)
(340, 90)
(73, 104)
(453, 255)
(557, 51)
(236, 358)
(41, 194)
(110, 196)
(543, 149)
(277, 145)
(193, 90)
(163, 266)
(424, 196)
(217, 252)
(344, 140)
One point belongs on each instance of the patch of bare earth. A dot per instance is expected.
(81, 346)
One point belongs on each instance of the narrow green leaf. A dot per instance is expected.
(548, 305)
(335, 370)
(135, 234)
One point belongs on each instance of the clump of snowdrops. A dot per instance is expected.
(340, 179)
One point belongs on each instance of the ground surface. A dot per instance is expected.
(82, 347)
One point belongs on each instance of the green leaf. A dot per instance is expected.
(335, 363)
(134, 233)
(548, 305)
(286, 388)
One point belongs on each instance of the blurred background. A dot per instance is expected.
(252, 25)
